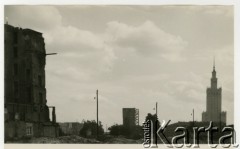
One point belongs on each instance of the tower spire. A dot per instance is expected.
(214, 78)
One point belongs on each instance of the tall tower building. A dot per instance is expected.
(130, 117)
(214, 102)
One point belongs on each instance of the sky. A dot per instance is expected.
(135, 56)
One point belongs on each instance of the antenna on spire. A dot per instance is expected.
(214, 63)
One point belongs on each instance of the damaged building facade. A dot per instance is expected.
(25, 103)
(70, 128)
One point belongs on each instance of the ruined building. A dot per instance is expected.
(70, 128)
(214, 102)
(130, 117)
(25, 104)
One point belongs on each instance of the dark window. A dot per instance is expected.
(40, 61)
(15, 37)
(22, 116)
(15, 52)
(28, 73)
(29, 94)
(39, 80)
(15, 69)
(40, 98)
(15, 88)
(16, 100)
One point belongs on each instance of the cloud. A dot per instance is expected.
(83, 48)
(146, 39)
(91, 51)
(191, 88)
(69, 35)
(35, 17)
(214, 10)
(220, 10)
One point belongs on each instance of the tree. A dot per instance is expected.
(154, 119)
(155, 122)
(115, 130)
(90, 129)
(135, 132)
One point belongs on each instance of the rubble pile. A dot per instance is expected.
(74, 139)
(121, 140)
(63, 139)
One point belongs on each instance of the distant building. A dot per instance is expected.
(130, 117)
(71, 128)
(214, 102)
(25, 103)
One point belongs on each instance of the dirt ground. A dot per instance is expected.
(74, 139)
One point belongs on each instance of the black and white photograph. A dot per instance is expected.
(119, 74)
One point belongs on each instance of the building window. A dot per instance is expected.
(39, 62)
(29, 94)
(15, 88)
(15, 71)
(28, 74)
(29, 131)
(15, 52)
(40, 80)
(40, 98)
(15, 37)
(15, 91)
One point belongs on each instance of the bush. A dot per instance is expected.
(135, 132)
(90, 129)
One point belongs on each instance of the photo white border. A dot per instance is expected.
(236, 4)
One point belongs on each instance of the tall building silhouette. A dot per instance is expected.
(26, 111)
(130, 117)
(214, 102)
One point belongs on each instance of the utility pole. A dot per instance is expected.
(106, 128)
(97, 112)
(193, 117)
(156, 124)
(156, 109)
(220, 122)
